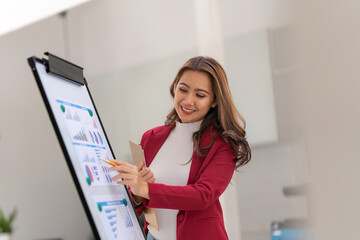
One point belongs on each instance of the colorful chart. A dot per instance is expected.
(96, 139)
(76, 117)
(116, 217)
(92, 137)
(107, 174)
(89, 173)
(68, 115)
(81, 135)
(87, 159)
(90, 159)
(101, 141)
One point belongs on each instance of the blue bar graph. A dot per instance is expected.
(116, 216)
(110, 210)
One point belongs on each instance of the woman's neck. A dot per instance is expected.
(186, 129)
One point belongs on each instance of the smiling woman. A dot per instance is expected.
(202, 137)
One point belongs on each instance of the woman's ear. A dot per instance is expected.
(214, 104)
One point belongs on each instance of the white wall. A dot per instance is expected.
(239, 17)
(280, 164)
(250, 79)
(330, 90)
(121, 34)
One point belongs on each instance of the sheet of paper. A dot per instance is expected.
(150, 217)
(137, 153)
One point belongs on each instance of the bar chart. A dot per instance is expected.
(115, 216)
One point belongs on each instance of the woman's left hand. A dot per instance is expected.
(132, 177)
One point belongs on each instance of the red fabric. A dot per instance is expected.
(200, 215)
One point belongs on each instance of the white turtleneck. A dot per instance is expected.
(170, 168)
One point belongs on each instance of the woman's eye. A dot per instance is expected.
(182, 90)
(200, 96)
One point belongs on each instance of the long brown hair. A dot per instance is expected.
(224, 116)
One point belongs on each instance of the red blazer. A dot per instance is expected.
(200, 215)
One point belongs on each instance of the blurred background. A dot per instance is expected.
(293, 72)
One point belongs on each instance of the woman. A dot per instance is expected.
(193, 156)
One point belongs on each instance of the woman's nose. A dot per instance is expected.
(189, 99)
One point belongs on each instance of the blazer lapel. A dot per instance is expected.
(198, 161)
(155, 141)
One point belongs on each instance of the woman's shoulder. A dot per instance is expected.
(219, 140)
(213, 134)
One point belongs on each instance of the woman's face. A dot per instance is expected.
(193, 96)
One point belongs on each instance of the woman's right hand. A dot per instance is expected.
(147, 176)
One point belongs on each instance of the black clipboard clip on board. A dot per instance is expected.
(60, 67)
(65, 69)
(84, 142)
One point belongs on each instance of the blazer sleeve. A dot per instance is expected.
(211, 183)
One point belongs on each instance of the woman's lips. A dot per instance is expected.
(187, 111)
